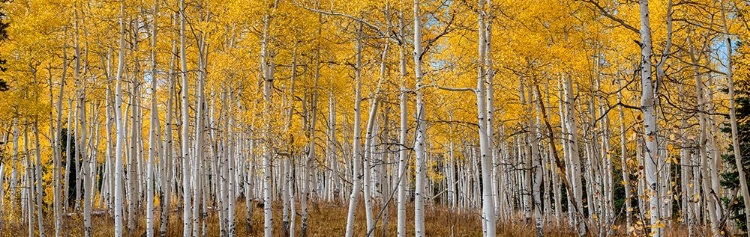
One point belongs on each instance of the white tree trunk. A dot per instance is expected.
(232, 166)
(574, 172)
(287, 185)
(58, 156)
(267, 69)
(186, 187)
(167, 157)
(651, 158)
(39, 190)
(403, 123)
(419, 144)
(198, 169)
(624, 162)
(135, 140)
(356, 166)
(369, 179)
(28, 192)
(153, 125)
(736, 149)
(488, 200)
(537, 162)
(16, 162)
(86, 171)
(120, 130)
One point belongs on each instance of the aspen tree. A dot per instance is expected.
(624, 160)
(38, 178)
(17, 160)
(736, 149)
(403, 123)
(369, 188)
(133, 176)
(649, 121)
(200, 124)
(232, 164)
(58, 153)
(287, 166)
(28, 183)
(85, 168)
(356, 154)
(108, 186)
(153, 144)
(186, 185)
(311, 156)
(267, 68)
(488, 210)
(537, 163)
(120, 130)
(419, 144)
(167, 157)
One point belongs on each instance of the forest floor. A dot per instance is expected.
(325, 219)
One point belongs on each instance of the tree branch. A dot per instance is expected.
(612, 17)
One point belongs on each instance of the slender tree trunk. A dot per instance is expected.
(39, 190)
(120, 130)
(704, 171)
(110, 113)
(154, 129)
(29, 183)
(369, 184)
(419, 144)
(575, 163)
(292, 208)
(488, 209)
(403, 123)
(58, 153)
(167, 175)
(287, 185)
(736, 149)
(198, 162)
(451, 173)
(356, 155)
(16, 162)
(232, 165)
(555, 183)
(185, 139)
(268, 69)
(85, 169)
(537, 163)
(624, 161)
(649, 121)
(525, 159)
(135, 138)
(311, 157)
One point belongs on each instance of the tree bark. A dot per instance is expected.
(648, 107)
(267, 67)
(356, 166)
(120, 130)
(154, 129)
(736, 149)
(403, 123)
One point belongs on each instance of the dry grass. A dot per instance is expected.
(326, 219)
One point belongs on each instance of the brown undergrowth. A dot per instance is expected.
(325, 219)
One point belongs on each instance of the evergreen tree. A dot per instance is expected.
(730, 177)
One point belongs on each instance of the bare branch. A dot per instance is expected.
(611, 17)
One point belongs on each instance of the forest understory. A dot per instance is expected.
(329, 219)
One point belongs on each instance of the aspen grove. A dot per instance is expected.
(374, 118)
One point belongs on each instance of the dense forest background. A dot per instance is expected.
(423, 117)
